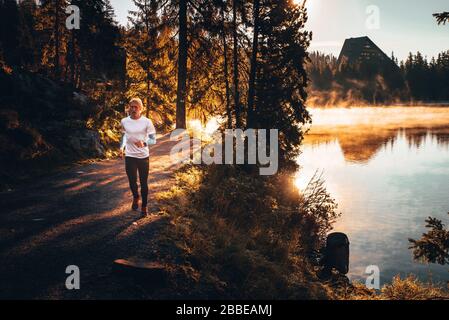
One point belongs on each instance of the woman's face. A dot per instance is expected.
(135, 110)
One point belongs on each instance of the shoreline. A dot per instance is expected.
(417, 105)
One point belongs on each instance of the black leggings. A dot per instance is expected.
(134, 165)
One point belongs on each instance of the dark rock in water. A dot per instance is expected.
(336, 253)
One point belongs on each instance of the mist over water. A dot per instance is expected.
(388, 169)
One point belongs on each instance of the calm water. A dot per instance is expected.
(388, 169)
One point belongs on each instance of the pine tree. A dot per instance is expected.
(207, 81)
(17, 35)
(28, 47)
(253, 70)
(53, 36)
(433, 247)
(9, 32)
(281, 77)
(150, 59)
(235, 57)
(442, 18)
(223, 32)
(182, 67)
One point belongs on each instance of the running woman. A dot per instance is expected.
(138, 134)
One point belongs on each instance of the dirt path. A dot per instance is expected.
(79, 217)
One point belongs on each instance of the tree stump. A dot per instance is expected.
(152, 272)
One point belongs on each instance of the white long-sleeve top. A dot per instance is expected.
(141, 129)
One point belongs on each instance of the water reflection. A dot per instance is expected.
(388, 175)
(360, 143)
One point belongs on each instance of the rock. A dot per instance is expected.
(43, 125)
(81, 98)
(9, 119)
(336, 253)
(87, 142)
(153, 272)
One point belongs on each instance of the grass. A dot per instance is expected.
(239, 236)
(407, 289)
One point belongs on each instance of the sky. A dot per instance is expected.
(399, 26)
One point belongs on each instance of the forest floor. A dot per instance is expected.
(81, 217)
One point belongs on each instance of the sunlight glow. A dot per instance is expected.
(301, 181)
(195, 125)
(206, 131)
(405, 116)
(212, 126)
(310, 5)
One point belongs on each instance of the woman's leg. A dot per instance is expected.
(144, 168)
(131, 172)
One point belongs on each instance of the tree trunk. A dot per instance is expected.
(225, 50)
(253, 70)
(57, 40)
(73, 57)
(182, 67)
(147, 13)
(148, 90)
(238, 122)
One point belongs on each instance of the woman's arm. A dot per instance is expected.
(151, 134)
(123, 141)
(151, 139)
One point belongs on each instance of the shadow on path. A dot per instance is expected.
(79, 217)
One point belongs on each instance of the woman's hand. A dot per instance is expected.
(139, 144)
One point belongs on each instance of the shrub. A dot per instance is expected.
(409, 288)
(245, 236)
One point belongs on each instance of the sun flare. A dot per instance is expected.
(207, 130)
(310, 4)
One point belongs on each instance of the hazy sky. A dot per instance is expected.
(403, 25)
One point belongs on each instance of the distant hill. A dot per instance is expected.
(364, 75)
(363, 50)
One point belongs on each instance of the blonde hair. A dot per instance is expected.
(138, 101)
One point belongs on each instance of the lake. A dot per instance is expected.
(388, 169)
